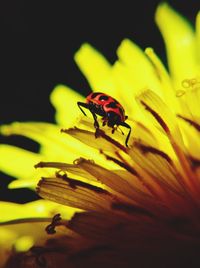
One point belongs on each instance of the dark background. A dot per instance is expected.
(38, 40)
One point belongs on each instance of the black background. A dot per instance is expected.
(37, 44)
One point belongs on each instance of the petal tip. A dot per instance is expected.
(6, 130)
(124, 43)
(149, 50)
(84, 49)
(58, 89)
(162, 8)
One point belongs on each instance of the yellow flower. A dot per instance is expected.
(135, 206)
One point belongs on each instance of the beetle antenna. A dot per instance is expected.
(121, 130)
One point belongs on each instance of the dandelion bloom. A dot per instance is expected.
(135, 206)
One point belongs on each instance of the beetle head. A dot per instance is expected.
(113, 119)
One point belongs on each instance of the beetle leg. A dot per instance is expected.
(128, 136)
(85, 105)
(96, 124)
(82, 104)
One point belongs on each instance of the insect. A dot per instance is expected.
(112, 112)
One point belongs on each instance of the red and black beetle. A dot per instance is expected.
(111, 110)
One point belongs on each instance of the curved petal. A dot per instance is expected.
(180, 43)
(19, 163)
(74, 193)
(137, 65)
(165, 80)
(95, 68)
(40, 208)
(64, 99)
(54, 145)
(198, 36)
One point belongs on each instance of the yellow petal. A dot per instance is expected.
(167, 120)
(180, 43)
(71, 169)
(18, 230)
(88, 137)
(25, 183)
(157, 164)
(95, 68)
(189, 101)
(198, 36)
(24, 243)
(75, 193)
(113, 180)
(165, 80)
(140, 70)
(54, 145)
(65, 101)
(126, 89)
(144, 135)
(161, 113)
(40, 209)
(191, 138)
(20, 237)
(19, 163)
